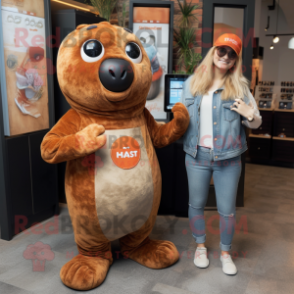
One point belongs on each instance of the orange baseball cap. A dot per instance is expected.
(230, 40)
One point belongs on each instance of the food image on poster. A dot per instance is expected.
(151, 26)
(29, 83)
(23, 31)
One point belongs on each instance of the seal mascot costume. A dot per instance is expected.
(113, 179)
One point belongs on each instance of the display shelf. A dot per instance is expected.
(277, 150)
(283, 139)
(275, 100)
(275, 109)
(266, 109)
(260, 147)
(260, 136)
(283, 110)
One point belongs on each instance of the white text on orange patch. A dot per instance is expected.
(126, 154)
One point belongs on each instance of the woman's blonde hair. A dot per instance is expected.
(235, 84)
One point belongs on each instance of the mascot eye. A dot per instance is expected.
(134, 52)
(92, 51)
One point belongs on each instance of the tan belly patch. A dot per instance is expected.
(123, 183)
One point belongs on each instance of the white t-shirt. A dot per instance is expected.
(206, 119)
(205, 128)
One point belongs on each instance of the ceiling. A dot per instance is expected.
(288, 6)
(61, 5)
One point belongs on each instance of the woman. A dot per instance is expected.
(220, 105)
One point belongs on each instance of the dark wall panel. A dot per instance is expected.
(44, 180)
(167, 166)
(19, 174)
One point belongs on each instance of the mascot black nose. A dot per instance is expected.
(116, 75)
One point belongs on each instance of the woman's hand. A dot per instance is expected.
(243, 109)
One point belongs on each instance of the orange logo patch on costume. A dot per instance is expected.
(125, 152)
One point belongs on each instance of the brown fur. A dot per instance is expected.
(79, 133)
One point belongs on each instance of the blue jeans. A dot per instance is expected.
(226, 174)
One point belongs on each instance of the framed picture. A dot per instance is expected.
(26, 77)
(152, 22)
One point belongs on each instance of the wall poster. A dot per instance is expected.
(152, 25)
(23, 67)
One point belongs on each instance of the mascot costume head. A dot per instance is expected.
(113, 179)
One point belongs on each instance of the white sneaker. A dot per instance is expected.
(229, 267)
(200, 258)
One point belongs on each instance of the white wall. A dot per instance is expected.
(257, 17)
(278, 64)
(229, 16)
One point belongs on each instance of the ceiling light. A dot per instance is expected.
(272, 47)
(291, 43)
(78, 7)
(268, 24)
(276, 39)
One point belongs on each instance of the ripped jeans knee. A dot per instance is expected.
(227, 226)
(226, 215)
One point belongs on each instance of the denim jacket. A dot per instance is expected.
(229, 138)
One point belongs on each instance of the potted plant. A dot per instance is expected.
(122, 12)
(184, 37)
(104, 7)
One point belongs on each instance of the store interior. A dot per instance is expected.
(273, 141)
(33, 200)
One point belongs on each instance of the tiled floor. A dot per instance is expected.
(263, 251)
